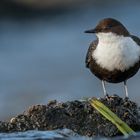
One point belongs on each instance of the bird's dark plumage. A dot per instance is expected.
(92, 47)
(136, 39)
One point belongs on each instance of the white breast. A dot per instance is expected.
(116, 52)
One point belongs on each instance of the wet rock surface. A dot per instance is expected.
(78, 116)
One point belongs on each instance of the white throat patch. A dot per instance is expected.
(116, 52)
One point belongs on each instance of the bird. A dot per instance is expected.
(114, 56)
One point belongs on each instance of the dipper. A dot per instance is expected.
(114, 56)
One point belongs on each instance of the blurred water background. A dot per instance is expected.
(43, 49)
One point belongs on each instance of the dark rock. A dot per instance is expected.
(4, 127)
(78, 116)
(21, 123)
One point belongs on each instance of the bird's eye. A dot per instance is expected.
(108, 27)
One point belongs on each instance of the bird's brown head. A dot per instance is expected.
(109, 25)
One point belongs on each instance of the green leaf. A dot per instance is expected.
(108, 114)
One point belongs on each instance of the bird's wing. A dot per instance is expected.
(136, 39)
(92, 47)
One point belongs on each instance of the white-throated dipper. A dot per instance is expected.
(114, 56)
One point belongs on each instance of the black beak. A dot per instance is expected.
(91, 31)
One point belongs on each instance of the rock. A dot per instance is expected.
(78, 116)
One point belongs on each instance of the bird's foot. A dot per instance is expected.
(126, 98)
(107, 96)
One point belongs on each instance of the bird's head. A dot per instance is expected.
(109, 25)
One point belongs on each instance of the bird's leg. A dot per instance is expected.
(126, 90)
(104, 88)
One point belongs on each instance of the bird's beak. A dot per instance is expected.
(91, 31)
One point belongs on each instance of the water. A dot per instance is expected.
(64, 134)
(42, 58)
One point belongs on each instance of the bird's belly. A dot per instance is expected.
(119, 53)
(114, 76)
